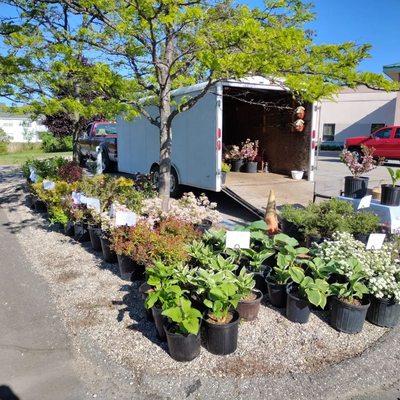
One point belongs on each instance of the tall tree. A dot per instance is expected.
(156, 46)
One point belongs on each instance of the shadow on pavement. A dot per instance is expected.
(7, 394)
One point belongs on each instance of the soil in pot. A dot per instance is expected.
(81, 234)
(250, 167)
(276, 293)
(384, 312)
(159, 321)
(144, 290)
(390, 195)
(249, 307)
(129, 269)
(355, 187)
(69, 229)
(182, 347)
(221, 339)
(297, 308)
(347, 317)
(236, 165)
(94, 234)
(108, 254)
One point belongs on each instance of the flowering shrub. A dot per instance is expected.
(249, 150)
(358, 167)
(233, 153)
(382, 267)
(188, 208)
(70, 172)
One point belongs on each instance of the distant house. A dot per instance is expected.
(20, 128)
(359, 111)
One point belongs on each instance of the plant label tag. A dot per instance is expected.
(83, 199)
(111, 212)
(125, 218)
(93, 203)
(375, 241)
(365, 202)
(76, 197)
(48, 185)
(32, 176)
(237, 240)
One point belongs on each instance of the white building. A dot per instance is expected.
(360, 111)
(20, 128)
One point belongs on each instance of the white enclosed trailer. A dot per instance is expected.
(220, 117)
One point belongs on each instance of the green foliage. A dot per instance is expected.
(225, 167)
(245, 283)
(45, 169)
(4, 141)
(257, 258)
(57, 215)
(185, 316)
(330, 216)
(394, 175)
(52, 144)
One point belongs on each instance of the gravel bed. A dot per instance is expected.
(103, 312)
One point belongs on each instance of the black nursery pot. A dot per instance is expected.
(355, 187)
(250, 167)
(248, 310)
(182, 347)
(384, 312)
(259, 278)
(222, 339)
(108, 254)
(236, 165)
(346, 317)
(143, 290)
(128, 268)
(69, 229)
(390, 195)
(94, 234)
(81, 233)
(297, 309)
(40, 206)
(159, 321)
(276, 293)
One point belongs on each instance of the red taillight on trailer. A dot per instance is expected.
(219, 133)
(219, 145)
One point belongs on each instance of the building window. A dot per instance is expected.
(375, 127)
(328, 132)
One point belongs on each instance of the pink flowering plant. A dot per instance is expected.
(359, 167)
(233, 153)
(249, 150)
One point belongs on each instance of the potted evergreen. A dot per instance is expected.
(391, 193)
(356, 185)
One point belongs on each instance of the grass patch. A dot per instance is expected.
(21, 157)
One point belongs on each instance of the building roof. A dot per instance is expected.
(392, 71)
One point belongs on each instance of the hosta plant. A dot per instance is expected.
(245, 283)
(257, 258)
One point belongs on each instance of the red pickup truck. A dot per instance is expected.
(385, 141)
(104, 135)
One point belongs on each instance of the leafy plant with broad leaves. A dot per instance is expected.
(220, 263)
(245, 283)
(215, 238)
(394, 175)
(257, 258)
(200, 253)
(219, 291)
(316, 291)
(319, 268)
(355, 287)
(185, 317)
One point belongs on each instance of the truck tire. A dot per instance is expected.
(174, 189)
(106, 163)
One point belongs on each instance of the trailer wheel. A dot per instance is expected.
(174, 185)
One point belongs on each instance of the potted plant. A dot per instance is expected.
(279, 276)
(220, 293)
(349, 305)
(249, 152)
(250, 298)
(302, 292)
(225, 168)
(183, 331)
(234, 157)
(391, 193)
(355, 186)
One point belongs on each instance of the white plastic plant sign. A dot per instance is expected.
(375, 241)
(32, 176)
(48, 185)
(125, 218)
(93, 203)
(365, 202)
(237, 240)
(76, 197)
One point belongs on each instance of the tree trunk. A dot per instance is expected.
(75, 137)
(165, 155)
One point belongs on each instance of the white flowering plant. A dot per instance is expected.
(381, 267)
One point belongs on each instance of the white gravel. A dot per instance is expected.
(104, 314)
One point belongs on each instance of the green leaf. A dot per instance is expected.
(314, 296)
(191, 325)
(208, 303)
(297, 274)
(174, 313)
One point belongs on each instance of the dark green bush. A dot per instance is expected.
(52, 144)
(47, 168)
(4, 141)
